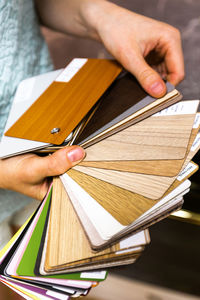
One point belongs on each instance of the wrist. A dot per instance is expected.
(94, 14)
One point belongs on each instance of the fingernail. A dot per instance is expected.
(76, 154)
(157, 88)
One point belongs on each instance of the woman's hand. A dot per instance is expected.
(137, 41)
(29, 174)
(129, 37)
(134, 40)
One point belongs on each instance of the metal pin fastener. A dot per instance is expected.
(55, 130)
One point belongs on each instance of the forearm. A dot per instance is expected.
(77, 17)
(2, 175)
(128, 36)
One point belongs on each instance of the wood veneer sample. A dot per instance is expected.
(119, 261)
(111, 230)
(67, 246)
(167, 167)
(150, 186)
(122, 204)
(125, 206)
(133, 118)
(161, 137)
(66, 101)
(124, 98)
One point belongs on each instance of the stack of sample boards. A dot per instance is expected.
(138, 160)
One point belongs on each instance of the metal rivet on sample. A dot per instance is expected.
(55, 130)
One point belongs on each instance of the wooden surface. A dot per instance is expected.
(162, 137)
(124, 98)
(150, 186)
(154, 167)
(138, 116)
(122, 204)
(121, 151)
(67, 245)
(57, 108)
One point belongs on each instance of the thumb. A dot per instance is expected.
(60, 161)
(149, 79)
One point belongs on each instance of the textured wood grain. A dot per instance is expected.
(163, 137)
(118, 260)
(67, 245)
(149, 186)
(154, 167)
(64, 104)
(136, 117)
(124, 98)
(122, 204)
(123, 260)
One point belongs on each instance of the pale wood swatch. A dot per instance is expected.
(122, 204)
(167, 167)
(145, 221)
(67, 246)
(57, 108)
(161, 137)
(149, 186)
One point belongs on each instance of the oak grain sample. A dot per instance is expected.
(167, 167)
(68, 247)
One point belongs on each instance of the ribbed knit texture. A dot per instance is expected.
(23, 52)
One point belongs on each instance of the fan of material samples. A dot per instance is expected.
(121, 198)
(139, 153)
(78, 254)
(19, 260)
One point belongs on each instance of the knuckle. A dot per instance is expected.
(172, 32)
(125, 54)
(146, 74)
(53, 166)
(58, 163)
(177, 33)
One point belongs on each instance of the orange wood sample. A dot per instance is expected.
(64, 104)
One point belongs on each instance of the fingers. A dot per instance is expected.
(149, 79)
(174, 59)
(59, 162)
